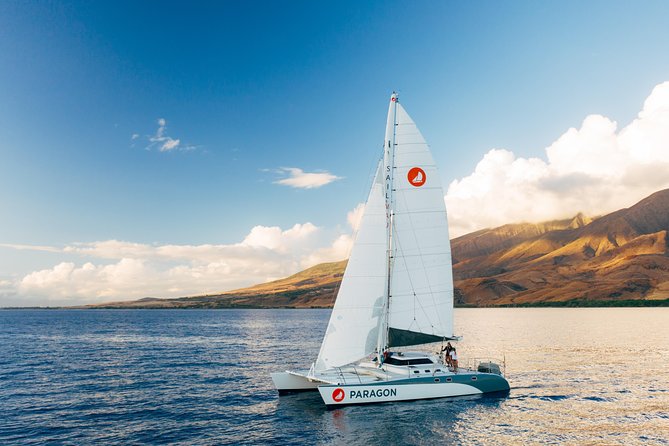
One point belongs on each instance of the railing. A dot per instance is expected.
(340, 373)
(357, 374)
(465, 364)
(472, 364)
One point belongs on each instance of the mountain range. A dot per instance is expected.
(620, 258)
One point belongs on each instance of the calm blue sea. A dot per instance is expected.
(578, 376)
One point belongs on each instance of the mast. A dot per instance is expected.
(389, 172)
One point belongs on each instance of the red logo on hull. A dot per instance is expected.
(338, 395)
(416, 176)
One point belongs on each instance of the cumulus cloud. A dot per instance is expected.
(66, 280)
(339, 250)
(594, 169)
(355, 216)
(275, 239)
(120, 270)
(341, 247)
(305, 180)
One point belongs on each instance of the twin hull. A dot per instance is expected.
(460, 384)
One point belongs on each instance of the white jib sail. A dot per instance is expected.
(353, 328)
(421, 297)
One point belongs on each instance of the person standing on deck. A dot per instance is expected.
(454, 360)
(447, 353)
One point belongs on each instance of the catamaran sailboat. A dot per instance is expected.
(396, 292)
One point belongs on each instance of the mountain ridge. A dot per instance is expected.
(621, 257)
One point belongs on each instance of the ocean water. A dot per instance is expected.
(578, 376)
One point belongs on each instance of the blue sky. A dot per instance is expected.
(249, 88)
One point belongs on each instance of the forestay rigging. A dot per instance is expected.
(397, 289)
(353, 328)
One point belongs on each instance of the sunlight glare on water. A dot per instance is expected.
(578, 376)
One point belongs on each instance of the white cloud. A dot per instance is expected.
(6, 287)
(305, 180)
(66, 281)
(339, 250)
(119, 270)
(594, 169)
(29, 247)
(161, 141)
(355, 216)
(275, 239)
(170, 144)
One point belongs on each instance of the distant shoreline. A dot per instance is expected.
(585, 304)
(566, 304)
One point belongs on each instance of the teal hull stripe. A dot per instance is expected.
(484, 382)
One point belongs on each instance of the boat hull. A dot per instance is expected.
(289, 382)
(413, 389)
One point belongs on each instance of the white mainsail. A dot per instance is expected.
(398, 287)
(421, 295)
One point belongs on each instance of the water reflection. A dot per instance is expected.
(578, 376)
(411, 422)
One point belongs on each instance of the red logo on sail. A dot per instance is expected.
(338, 395)
(416, 176)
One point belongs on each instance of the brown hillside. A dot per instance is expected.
(620, 256)
(488, 241)
(315, 287)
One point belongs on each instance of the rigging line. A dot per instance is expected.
(399, 246)
(413, 230)
(354, 236)
(418, 212)
(429, 285)
(371, 173)
(421, 255)
(411, 286)
(409, 130)
(392, 146)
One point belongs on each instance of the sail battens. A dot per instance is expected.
(422, 273)
(398, 284)
(417, 212)
(422, 190)
(352, 330)
(435, 292)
